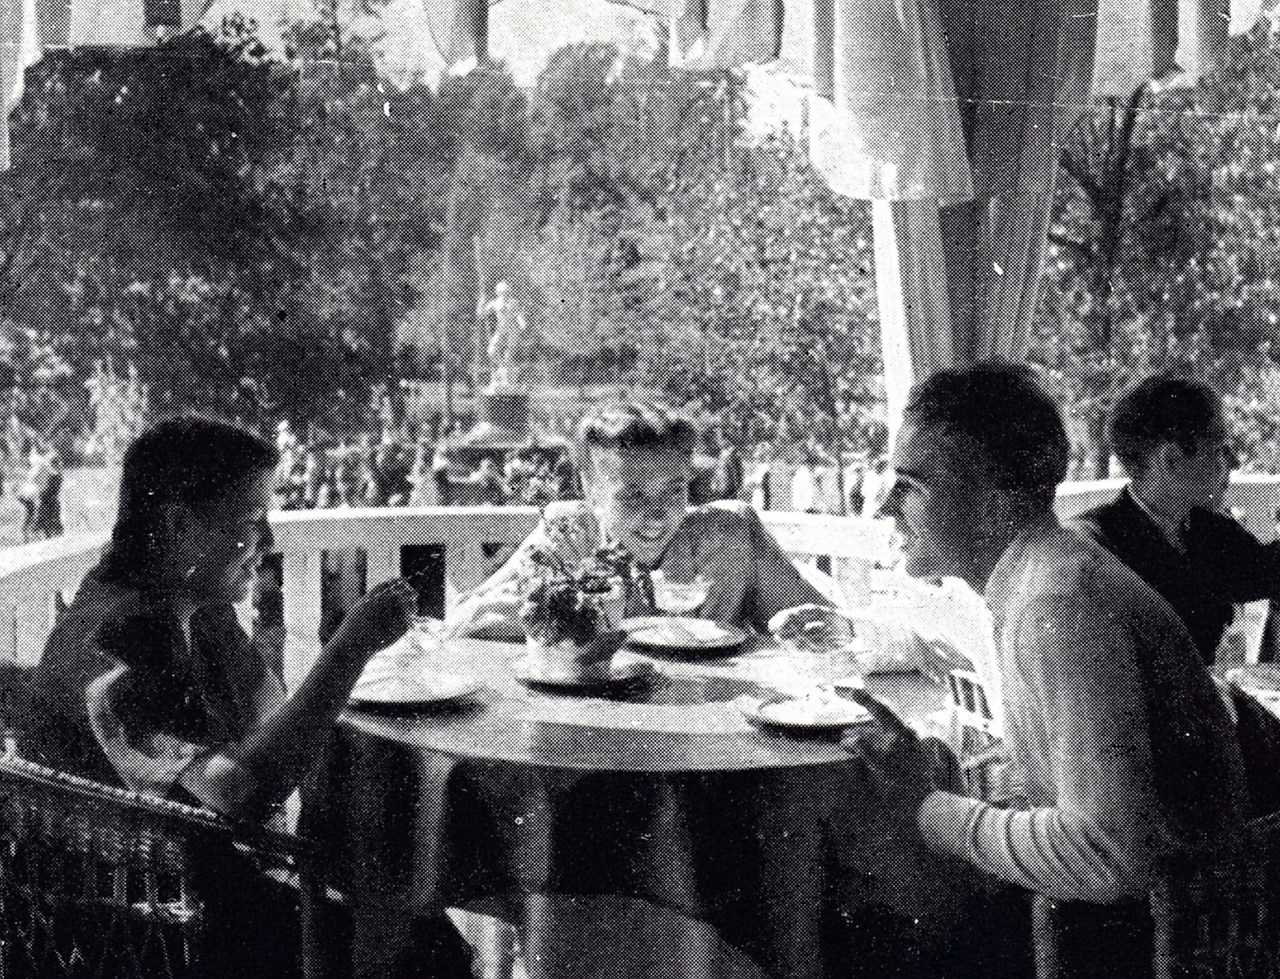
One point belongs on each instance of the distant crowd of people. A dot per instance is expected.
(388, 473)
(370, 471)
(40, 494)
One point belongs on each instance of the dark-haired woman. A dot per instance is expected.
(149, 681)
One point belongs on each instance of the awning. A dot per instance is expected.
(948, 115)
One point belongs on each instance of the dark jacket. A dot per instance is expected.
(1224, 564)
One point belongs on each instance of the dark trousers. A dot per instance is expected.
(253, 930)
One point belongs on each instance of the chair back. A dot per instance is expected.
(94, 879)
(1221, 923)
(976, 736)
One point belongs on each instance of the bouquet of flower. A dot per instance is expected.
(578, 601)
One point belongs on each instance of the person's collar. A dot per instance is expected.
(1170, 528)
(1007, 564)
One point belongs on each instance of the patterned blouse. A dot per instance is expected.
(120, 696)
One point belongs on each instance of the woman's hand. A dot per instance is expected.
(378, 619)
(817, 628)
(496, 612)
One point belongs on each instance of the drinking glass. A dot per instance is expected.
(678, 598)
(825, 654)
(425, 639)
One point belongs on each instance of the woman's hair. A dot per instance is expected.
(1002, 410)
(187, 460)
(635, 425)
(1164, 408)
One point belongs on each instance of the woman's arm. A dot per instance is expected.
(493, 609)
(241, 778)
(778, 582)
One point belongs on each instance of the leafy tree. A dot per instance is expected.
(1165, 249)
(239, 225)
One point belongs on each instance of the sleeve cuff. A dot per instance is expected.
(944, 820)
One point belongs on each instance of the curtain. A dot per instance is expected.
(459, 30)
(740, 32)
(948, 116)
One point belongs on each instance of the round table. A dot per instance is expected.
(658, 792)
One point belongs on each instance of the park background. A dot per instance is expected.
(292, 215)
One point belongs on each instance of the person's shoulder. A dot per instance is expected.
(725, 513)
(105, 624)
(101, 602)
(1102, 518)
(1055, 561)
(1206, 525)
(1067, 570)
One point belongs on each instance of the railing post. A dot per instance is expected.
(303, 579)
(381, 564)
(465, 564)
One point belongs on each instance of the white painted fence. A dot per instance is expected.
(475, 540)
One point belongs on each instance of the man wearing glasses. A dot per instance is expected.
(1170, 435)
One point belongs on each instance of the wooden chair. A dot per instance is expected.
(977, 738)
(1223, 925)
(93, 878)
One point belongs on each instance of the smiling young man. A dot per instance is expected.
(1171, 437)
(1133, 777)
(636, 464)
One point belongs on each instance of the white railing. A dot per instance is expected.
(475, 541)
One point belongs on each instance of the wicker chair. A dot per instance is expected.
(1225, 925)
(93, 878)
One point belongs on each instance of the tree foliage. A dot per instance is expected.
(1165, 247)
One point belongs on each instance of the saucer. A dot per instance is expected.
(807, 713)
(404, 691)
(676, 633)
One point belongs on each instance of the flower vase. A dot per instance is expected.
(565, 660)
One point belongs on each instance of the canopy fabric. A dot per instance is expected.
(741, 32)
(946, 114)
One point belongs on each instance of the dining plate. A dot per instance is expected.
(426, 688)
(627, 671)
(676, 632)
(812, 713)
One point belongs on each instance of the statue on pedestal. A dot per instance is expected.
(509, 326)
